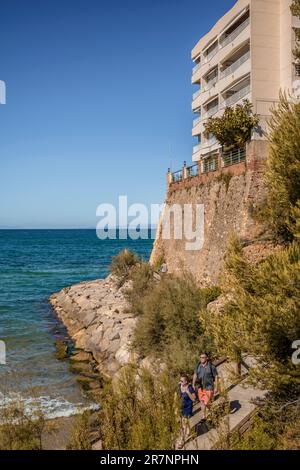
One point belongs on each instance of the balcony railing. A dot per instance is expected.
(196, 147)
(297, 70)
(195, 121)
(196, 94)
(211, 112)
(228, 39)
(210, 165)
(235, 65)
(209, 56)
(196, 67)
(192, 170)
(237, 96)
(234, 156)
(211, 83)
(177, 176)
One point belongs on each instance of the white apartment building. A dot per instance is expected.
(246, 55)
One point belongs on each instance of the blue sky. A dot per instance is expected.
(98, 103)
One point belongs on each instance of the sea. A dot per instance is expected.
(33, 265)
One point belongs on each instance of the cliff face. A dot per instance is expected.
(230, 197)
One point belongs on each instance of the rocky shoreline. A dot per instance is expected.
(98, 319)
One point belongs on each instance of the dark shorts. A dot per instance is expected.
(187, 413)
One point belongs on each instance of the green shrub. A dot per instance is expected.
(262, 319)
(283, 169)
(169, 326)
(141, 276)
(295, 9)
(233, 128)
(80, 433)
(140, 413)
(257, 438)
(122, 263)
(20, 430)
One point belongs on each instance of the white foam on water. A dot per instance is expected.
(50, 407)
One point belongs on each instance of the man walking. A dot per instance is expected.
(206, 377)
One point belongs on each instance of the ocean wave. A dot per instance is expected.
(50, 407)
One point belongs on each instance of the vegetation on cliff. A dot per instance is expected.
(167, 307)
(295, 9)
(121, 265)
(168, 325)
(262, 318)
(283, 170)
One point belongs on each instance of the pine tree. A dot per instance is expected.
(295, 9)
(262, 318)
(141, 412)
(283, 168)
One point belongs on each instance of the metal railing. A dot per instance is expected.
(177, 176)
(196, 94)
(234, 156)
(210, 165)
(235, 33)
(237, 96)
(211, 112)
(195, 121)
(297, 70)
(235, 65)
(192, 170)
(196, 67)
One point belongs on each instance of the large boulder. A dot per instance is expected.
(97, 317)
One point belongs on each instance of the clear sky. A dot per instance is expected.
(98, 103)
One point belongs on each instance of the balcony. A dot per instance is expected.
(236, 96)
(197, 147)
(297, 70)
(196, 68)
(210, 112)
(212, 53)
(233, 67)
(210, 83)
(230, 37)
(196, 94)
(196, 121)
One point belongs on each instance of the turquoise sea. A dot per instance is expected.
(33, 265)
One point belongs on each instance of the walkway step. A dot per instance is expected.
(241, 402)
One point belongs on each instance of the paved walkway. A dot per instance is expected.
(242, 408)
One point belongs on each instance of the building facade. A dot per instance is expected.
(246, 55)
